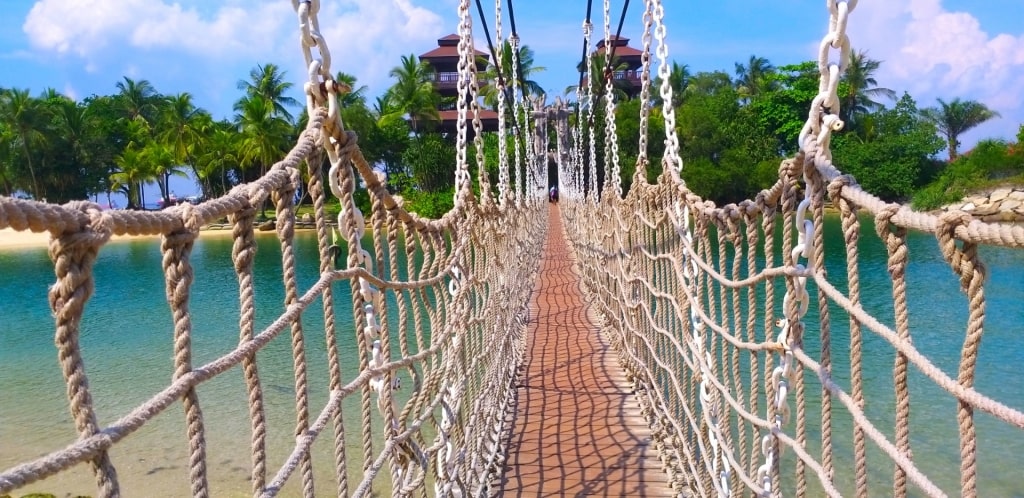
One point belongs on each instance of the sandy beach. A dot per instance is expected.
(13, 239)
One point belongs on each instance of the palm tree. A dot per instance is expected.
(356, 95)
(679, 79)
(133, 171)
(751, 79)
(217, 155)
(413, 95)
(138, 100)
(264, 134)
(162, 161)
(525, 70)
(620, 87)
(956, 117)
(267, 81)
(861, 87)
(183, 128)
(26, 119)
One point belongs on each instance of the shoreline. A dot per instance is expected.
(11, 239)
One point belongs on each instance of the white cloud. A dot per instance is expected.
(366, 37)
(70, 92)
(933, 52)
(89, 27)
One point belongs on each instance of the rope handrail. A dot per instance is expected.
(727, 340)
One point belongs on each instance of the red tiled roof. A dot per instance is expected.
(616, 40)
(450, 51)
(623, 51)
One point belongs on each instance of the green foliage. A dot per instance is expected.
(429, 204)
(894, 161)
(990, 163)
(783, 111)
(431, 160)
(627, 127)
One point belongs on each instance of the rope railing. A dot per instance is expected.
(730, 347)
(717, 332)
(438, 309)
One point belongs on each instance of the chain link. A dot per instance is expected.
(823, 118)
(671, 159)
(645, 92)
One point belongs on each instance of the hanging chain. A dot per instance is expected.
(671, 158)
(823, 118)
(611, 158)
(645, 93)
(519, 130)
(503, 177)
(321, 90)
(592, 160)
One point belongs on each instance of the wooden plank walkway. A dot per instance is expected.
(577, 428)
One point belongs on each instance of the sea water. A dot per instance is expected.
(127, 345)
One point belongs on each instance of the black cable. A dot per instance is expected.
(618, 32)
(494, 56)
(519, 62)
(583, 59)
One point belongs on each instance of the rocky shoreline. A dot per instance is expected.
(999, 205)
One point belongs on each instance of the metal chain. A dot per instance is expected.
(823, 118)
(465, 59)
(592, 160)
(519, 131)
(612, 170)
(671, 158)
(503, 177)
(645, 92)
(719, 464)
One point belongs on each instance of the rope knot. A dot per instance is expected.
(835, 187)
(964, 260)
(96, 233)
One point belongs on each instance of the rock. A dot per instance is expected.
(1017, 195)
(1010, 204)
(986, 210)
(970, 206)
(267, 226)
(307, 218)
(999, 194)
(1008, 215)
(992, 218)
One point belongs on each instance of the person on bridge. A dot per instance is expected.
(553, 194)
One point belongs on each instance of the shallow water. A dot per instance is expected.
(127, 345)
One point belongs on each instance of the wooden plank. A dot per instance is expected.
(577, 428)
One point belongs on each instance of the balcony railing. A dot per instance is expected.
(448, 80)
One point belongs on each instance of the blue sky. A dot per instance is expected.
(931, 48)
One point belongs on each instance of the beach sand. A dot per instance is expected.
(13, 239)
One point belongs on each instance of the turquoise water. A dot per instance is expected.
(127, 343)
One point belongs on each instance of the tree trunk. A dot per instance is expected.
(31, 169)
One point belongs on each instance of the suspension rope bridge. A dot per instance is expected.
(668, 349)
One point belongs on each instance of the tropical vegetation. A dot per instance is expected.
(733, 128)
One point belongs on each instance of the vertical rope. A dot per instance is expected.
(895, 240)
(243, 253)
(851, 236)
(968, 266)
(73, 256)
(176, 248)
(316, 190)
(284, 200)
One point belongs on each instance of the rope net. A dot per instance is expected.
(710, 309)
(439, 303)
